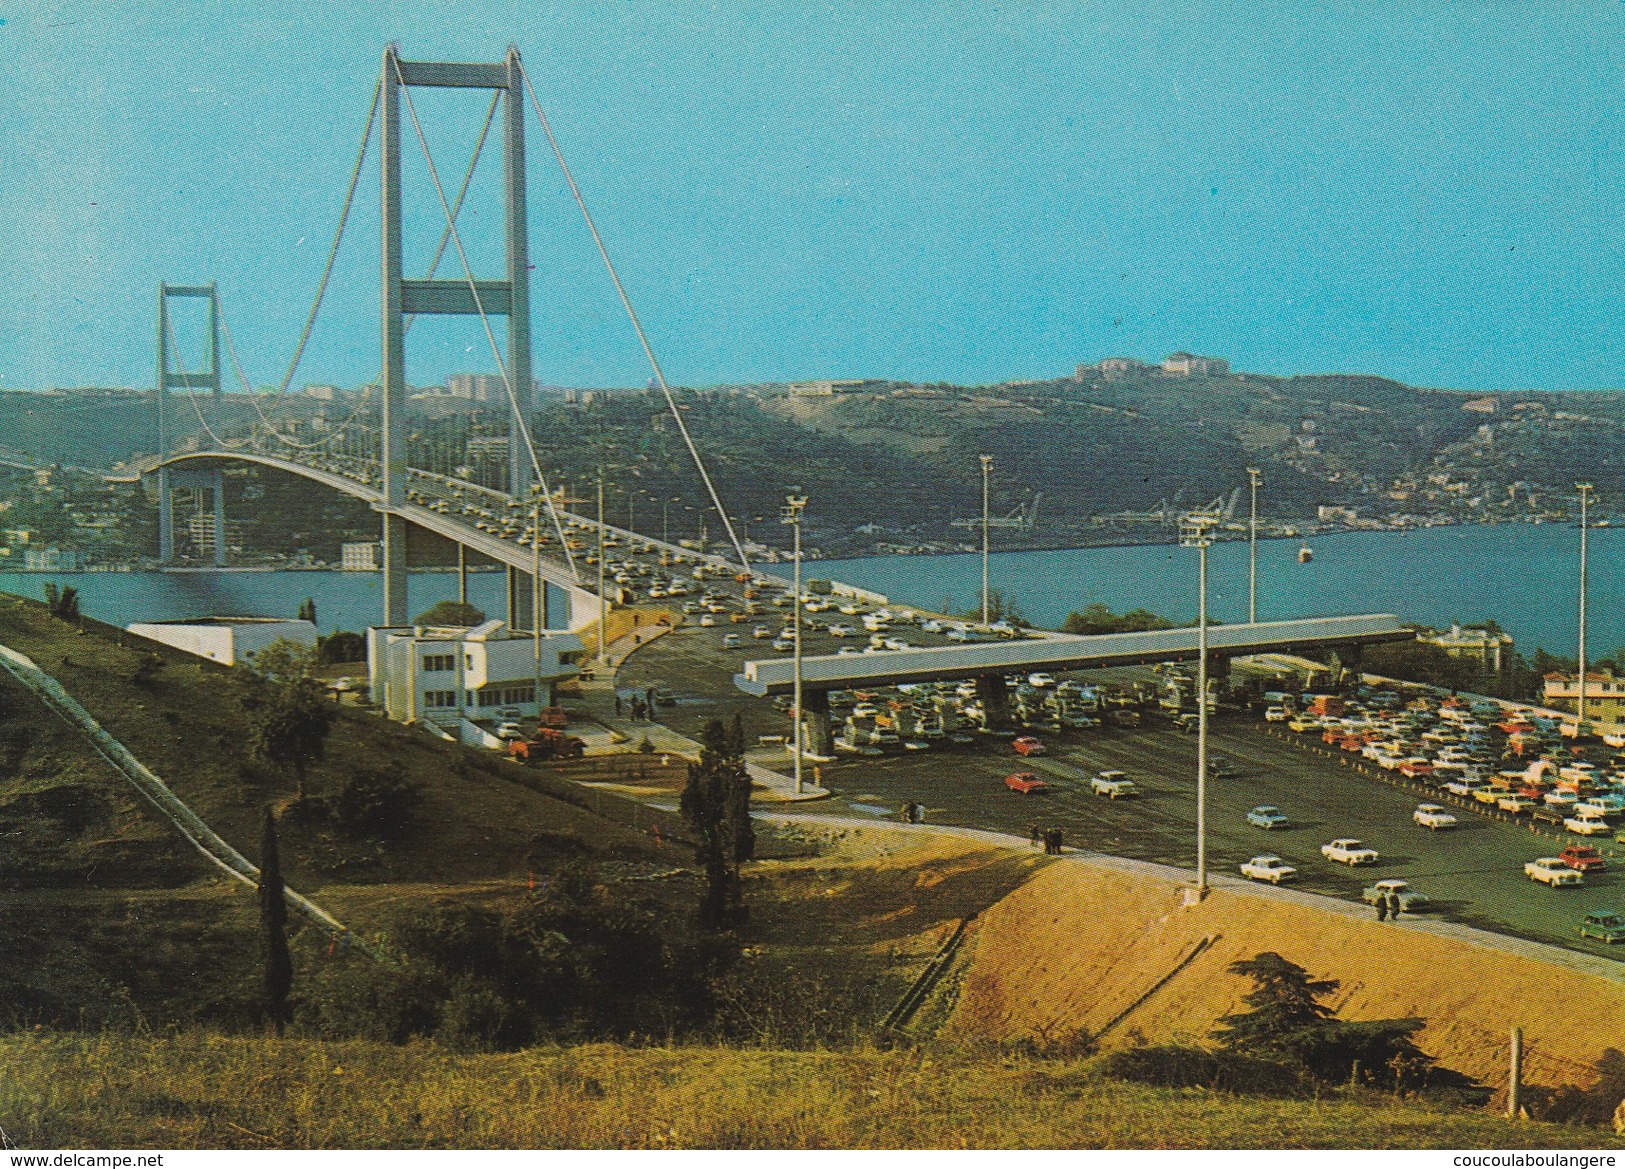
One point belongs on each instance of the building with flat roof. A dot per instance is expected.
(359, 556)
(231, 641)
(1605, 698)
(1491, 649)
(444, 674)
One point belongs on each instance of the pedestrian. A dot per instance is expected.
(617, 704)
(1036, 833)
(1382, 907)
(649, 699)
(1394, 906)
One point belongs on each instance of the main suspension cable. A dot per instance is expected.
(637, 326)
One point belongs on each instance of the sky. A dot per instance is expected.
(926, 191)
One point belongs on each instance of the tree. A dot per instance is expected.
(285, 661)
(62, 602)
(716, 805)
(307, 610)
(289, 728)
(341, 646)
(1097, 618)
(1283, 1002)
(277, 972)
(451, 613)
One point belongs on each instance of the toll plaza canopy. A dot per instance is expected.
(1058, 651)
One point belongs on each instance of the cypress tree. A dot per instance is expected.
(277, 972)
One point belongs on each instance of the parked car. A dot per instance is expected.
(1114, 784)
(1549, 870)
(1583, 857)
(730, 641)
(1025, 783)
(1348, 851)
(1028, 745)
(1040, 680)
(1267, 816)
(1433, 816)
(1517, 805)
(1605, 927)
(1583, 825)
(1268, 868)
(1275, 714)
(1409, 899)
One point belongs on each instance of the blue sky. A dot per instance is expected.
(928, 191)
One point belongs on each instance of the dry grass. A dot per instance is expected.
(204, 1091)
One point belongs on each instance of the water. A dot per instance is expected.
(344, 600)
(1521, 575)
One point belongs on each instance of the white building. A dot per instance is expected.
(360, 556)
(52, 560)
(231, 641)
(443, 674)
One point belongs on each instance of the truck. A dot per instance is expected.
(546, 743)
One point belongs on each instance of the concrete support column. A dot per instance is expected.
(462, 574)
(166, 519)
(995, 696)
(394, 566)
(1218, 673)
(521, 602)
(219, 488)
(816, 734)
(518, 254)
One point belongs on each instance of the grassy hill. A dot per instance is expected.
(208, 1091)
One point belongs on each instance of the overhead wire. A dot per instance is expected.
(637, 326)
(517, 415)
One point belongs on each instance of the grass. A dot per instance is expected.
(205, 1091)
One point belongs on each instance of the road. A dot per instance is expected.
(1472, 874)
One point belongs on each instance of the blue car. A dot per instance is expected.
(1266, 816)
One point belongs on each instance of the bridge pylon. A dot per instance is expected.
(171, 378)
(509, 297)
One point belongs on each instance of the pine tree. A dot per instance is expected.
(277, 972)
(716, 804)
(307, 610)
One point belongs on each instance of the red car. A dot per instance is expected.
(1582, 857)
(1026, 783)
(1027, 745)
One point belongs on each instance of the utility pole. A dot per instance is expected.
(603, 604)
(987, 470)
(1585, 490)
(538, 588)
(1195, 531)
(794, 505)
(1254, 478)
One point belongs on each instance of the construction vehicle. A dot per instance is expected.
(552, 716)
(547, 743)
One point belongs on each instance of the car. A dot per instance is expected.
(1028, 745)
(1583, 857)
(1517, 804)
(1550, 870)
(959, 634)
(1025, 783)
(1348, 851)
(1488, 795)
(1302, 724)
(895, 643)
(1409, 899)
(1605, 927)
(839, 630)
(1268, 868)
(707, 622)
(1040, 680)
(1267, 816)
(761, 633)
(783, 645)
(1587, 825)
(847, 651)
(1186, 723)
(1114, 784)
(1541, 814)
(510, 730)
(730, 641)
(1433, 817)
(1416, 769)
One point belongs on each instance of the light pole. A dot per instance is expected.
(987, 470)
(1585, 490)
(1195, 531)
(603, 603)
(1254, 478)
(794, 505)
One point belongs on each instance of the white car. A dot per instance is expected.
(931, 625)
(841, 630)
(761, 633)
(959, 635)
(1348, 851)
(1040, 680)
(1549, 870)
(1275, 714)
(708, 622)
(896, 643)
(1432, 816)
(510, 730)
(1268, 868)
(1113, 784)
(1587, 825)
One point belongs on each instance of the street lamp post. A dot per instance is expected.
(1254, 478)
(1195, 531)
(1585, 490)
(794, 505)
(603, 603)
(987, 470)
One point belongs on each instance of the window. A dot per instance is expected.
(569, 657)
(439, 698)
(433, 663)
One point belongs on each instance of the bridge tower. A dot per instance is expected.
(171, 378)
(508, 297)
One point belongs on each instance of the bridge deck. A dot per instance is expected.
(1057, 652)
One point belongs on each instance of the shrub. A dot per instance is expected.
(377, 800)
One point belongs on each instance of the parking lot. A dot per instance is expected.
(1472, 873)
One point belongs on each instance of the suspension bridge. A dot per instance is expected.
(425, 515)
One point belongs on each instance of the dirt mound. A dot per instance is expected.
(1084, 946)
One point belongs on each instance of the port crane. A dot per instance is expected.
(1022, 517)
